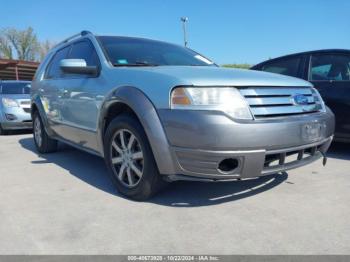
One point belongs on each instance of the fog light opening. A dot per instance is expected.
(228, 165)
(10, 117)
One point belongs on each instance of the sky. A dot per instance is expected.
(226, 31)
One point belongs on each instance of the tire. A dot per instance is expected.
(43, 143)
(131, 165)
(3, 132)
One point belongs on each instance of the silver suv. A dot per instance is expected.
(158, 112)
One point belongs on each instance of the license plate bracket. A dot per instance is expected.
(312, 131)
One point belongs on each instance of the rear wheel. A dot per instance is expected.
(130, 160)
(44, 144)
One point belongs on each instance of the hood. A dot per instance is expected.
(218, 76)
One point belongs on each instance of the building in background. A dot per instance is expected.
(17, 69)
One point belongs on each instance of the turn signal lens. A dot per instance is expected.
(179, 97)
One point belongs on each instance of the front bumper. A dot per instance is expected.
(15, 118)
(201, 140)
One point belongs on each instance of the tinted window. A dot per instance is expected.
(124, 51)
(288, 66)
(84, 50)
(54, 70)
(330, 67)
(15, 88)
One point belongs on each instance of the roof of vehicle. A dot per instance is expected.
(83, 34)
(304, 53)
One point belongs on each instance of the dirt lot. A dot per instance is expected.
(64, 203)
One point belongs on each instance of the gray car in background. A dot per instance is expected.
(14, 105)
(158, 112)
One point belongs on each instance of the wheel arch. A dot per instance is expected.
(37, 106)
(133, 101)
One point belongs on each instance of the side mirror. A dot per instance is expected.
(77, 66)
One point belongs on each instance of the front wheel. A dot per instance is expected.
(130, 160)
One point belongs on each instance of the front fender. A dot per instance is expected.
(147, 115)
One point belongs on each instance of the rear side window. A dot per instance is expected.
(84, 50)
(54, 70)
(288, 66)
(328, 67)
(15, 88)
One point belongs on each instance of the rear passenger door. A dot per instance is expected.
(330, 74)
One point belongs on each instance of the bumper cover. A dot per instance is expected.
(200, 140)
(23, 120)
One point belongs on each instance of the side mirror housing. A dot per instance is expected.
(77, 66)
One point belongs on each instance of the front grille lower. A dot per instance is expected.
(278, 101)
(280, 159)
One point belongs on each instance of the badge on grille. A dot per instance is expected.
(300, 99)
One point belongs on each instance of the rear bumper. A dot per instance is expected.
(201, 140)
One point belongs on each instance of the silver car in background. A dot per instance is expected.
(14, 105)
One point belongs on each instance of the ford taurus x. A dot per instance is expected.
(158, 112)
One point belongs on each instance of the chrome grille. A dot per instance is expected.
(25, 102)
(278, 101)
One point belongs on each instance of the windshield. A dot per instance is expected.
(128, 51)
(15, 88)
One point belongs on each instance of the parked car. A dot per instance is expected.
(329, 72)
(158, 112)
(15, 105)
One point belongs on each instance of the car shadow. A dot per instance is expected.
(91, 170)
(339, 150)
(19, 132)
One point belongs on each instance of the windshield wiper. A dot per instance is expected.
(137, 63)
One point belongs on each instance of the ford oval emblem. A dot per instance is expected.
(300, 99)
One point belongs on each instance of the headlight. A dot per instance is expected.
(225, 99)
(8, 102)
(320, 105)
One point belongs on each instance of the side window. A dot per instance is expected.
(54, 70)
(288, 66)
(84, 50)
(327, 67)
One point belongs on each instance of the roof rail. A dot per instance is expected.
(82, 33)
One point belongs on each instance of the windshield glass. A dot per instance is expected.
(124, 51)
(15, 88)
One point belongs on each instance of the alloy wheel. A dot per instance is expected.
(37, 132)
(127, 158)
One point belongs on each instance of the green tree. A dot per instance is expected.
(45, 48)
(243, 66)
(24, 42)
(5, 48)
